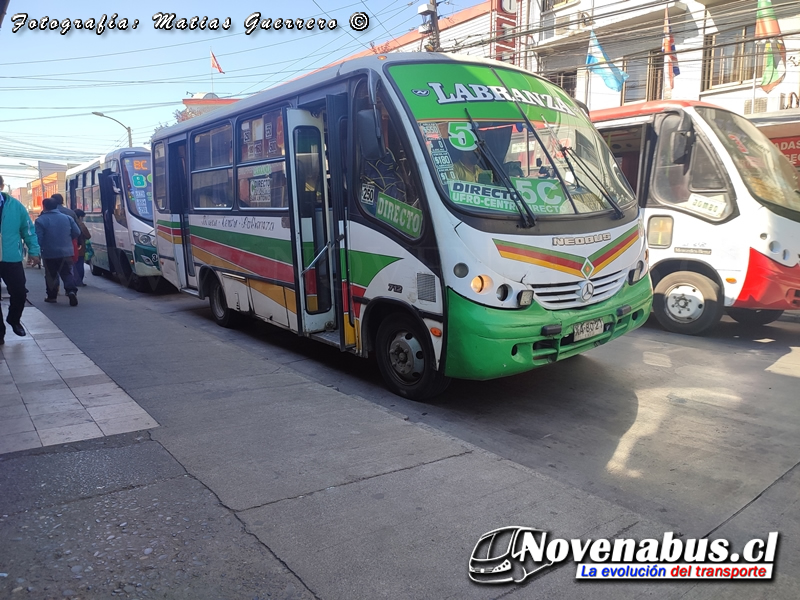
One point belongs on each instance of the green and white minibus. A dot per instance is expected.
(455, 217)
(115, 191)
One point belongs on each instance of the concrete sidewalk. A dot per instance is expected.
(51, 393)
(353, 500)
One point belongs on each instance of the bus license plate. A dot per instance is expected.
(587, 329)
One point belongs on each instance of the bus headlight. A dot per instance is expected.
(145, 239)
(481, 283)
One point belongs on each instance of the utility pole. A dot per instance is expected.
(429, 10)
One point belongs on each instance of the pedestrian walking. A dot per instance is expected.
(71, 213)
(15, 227)
(80, 257)
(56, 232)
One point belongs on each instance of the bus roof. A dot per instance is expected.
(322, 77)
(641, 109)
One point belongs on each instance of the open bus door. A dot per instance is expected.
(109, 183)
(178, 182)
(312, 242)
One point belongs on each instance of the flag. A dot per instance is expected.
(768, 29)
(215, 64)
(598, 63)
(668, 48)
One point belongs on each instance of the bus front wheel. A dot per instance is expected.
(754, 316)
(405, 359)
(224, 316)
(687, 302)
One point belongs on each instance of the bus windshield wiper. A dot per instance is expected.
(541, 144)
(528, 218)
(566, 151)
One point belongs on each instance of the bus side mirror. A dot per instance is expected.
(681, 143)
(369, 136)
(682, 139)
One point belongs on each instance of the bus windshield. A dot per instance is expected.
(770, 177)
(139, 186)
(477, 120)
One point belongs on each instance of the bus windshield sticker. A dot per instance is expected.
(399, 215)
(712, 206)
(544, 196)
(368, 194)
(459, 85)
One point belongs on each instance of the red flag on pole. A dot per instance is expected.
(215, 64)
(668, 48)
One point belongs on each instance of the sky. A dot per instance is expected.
(51, 83)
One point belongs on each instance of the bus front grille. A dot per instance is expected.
(555, 296)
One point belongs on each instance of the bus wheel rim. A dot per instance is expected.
(684, 303)
(406, 357)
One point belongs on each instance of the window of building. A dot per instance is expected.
(212, 168)
(730, 57)
(566, 80)
(645, 77)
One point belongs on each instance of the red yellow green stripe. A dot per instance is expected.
(551, 259)
(614, 249)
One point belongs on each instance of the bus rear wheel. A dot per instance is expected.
(687, 302)
(754, 316)
(405, 359)
(223, 316)
(96, 271)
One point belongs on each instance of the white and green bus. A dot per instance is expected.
(455, 217)
(115, 191)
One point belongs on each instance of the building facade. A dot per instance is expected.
(720, 57)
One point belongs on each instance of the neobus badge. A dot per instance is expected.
(581, 240)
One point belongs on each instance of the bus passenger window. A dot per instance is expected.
(387, 188)
(212, 172)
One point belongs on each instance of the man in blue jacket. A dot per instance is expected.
(56, 231)
(15, 227)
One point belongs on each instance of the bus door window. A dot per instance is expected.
(212, 168)
(312, 212)
(696, 184)
(388, 191)
(97, 205)
(119, 208)
(626, 146)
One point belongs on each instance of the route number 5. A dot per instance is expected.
(461, 136)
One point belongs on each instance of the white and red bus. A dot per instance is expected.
(722, 210)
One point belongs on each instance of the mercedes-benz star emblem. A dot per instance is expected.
(586, 291)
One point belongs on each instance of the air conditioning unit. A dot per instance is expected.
(563, 25)
(760, 107)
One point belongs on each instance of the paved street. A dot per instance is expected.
(281, 468)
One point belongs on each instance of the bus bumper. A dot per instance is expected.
(486, 343)
(769, 285)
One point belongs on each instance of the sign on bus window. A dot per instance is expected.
(261, 138)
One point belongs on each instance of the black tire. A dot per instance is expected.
(754, 316)
(223, 316)
(405, 359)
(96, 271)
(123, 270)
(687, 302)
